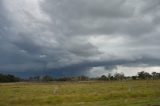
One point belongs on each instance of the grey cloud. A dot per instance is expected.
(98, 17)
(59, 40)
(150, 6)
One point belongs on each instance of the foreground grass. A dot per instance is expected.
(115, 93)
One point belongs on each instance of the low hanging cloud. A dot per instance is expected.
(75, 37)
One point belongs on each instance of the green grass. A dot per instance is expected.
(115, 93)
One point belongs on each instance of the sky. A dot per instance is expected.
(79, 37)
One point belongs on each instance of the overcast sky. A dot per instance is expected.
(79, 37)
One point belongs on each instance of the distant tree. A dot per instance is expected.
(155, 75)
(112, 78)
(158, 74)
(82, 78)
(134, 77)
(103, 77)
(109, 76)
(119, 76)
(47, 78)
(12, 78)
(8, 78)
(64, 79)
(30, 78)
(144, 75)
(36, 78)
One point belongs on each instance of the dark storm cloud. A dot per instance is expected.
(74, 36)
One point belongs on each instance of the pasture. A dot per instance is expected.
(90, 93)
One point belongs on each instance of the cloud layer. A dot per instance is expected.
(76, 37)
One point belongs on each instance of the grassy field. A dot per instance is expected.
(115, 93)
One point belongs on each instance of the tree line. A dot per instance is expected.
(140, 76)
(8, 78)
(116, 76)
